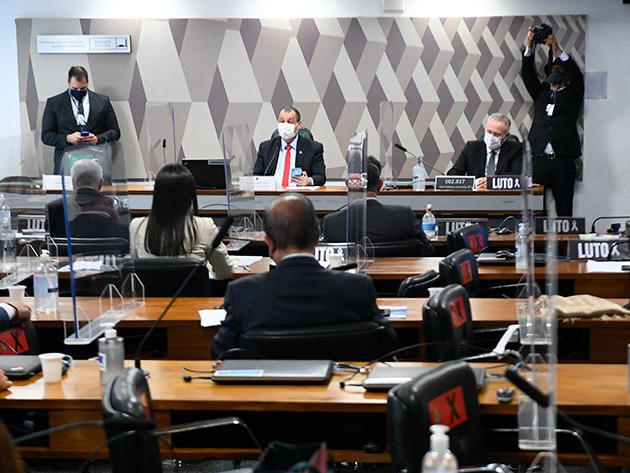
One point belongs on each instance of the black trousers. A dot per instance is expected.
(557, 175)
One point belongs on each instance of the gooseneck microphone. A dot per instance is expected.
(164, 150)
(405, 150)
(215, 243)
(607, 217)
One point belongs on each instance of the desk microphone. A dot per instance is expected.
(164, 150)
(607, 217)
(216, 242)
(273, 161)
(528, 388)
(405, 150)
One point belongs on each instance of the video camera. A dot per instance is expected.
(541, 32)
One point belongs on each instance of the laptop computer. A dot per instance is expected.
(504, 258)
(20, 366)
(383, 378)
(208, 173)
(273, 372)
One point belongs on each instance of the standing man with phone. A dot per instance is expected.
(78, 116)
(293, 157)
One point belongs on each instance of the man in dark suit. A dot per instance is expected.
(553, 136)
(290, 150)
(493, 156)
(87, 180)
(299, 292)
(78, 116)
(385, 223)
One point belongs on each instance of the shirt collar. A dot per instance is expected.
(293, 143)
(299, 255)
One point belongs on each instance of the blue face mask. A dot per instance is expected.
(78, 94)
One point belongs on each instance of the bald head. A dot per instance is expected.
(291, 223)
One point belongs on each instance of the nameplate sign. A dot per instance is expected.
(504, 183)
(597, 249)
(562, 226)
(454, 183)
(84, 44)
(448, 225)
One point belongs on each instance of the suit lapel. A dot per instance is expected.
(481, 162)
(94, 106)
(274, 152)
(299, 152)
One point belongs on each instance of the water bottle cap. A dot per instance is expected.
(429, 206)
(111, 333)
(439, 439)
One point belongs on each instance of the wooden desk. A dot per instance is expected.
(319, 412)
(605, 341)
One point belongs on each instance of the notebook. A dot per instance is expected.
(208, 173)
(20, 366)
(507, 259)
(274, 372)
(383, 377)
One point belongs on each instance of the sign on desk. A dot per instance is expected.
(562, 226)
(449, 225)
(504, 183)
(598, 249)
(457, 183)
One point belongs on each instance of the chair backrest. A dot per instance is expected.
(461, 268)
(447, 324)
(474, 237)
(445, 395)
(19, 341)
(127, 406)
(93, 246)
(163, 276)
(303, 132)
(94, 224)
(360, 341)
(418, 285)
(408, 247)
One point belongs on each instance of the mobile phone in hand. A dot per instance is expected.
(296, 172)
(85, 133)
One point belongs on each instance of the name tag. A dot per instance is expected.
(597, 250)
(562, 226)
(448, 225)
(504, 183)
(450, 183)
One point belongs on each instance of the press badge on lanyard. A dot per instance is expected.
(549, 109)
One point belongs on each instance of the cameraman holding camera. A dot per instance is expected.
(557, 102)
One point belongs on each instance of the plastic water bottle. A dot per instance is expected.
(429, 224)
(419, 176)
(439, 459)
(111, 355)
(520, 248)
(8, 241)
(46, 285)
(5, 211)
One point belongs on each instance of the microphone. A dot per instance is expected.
(607, 218)
(345, 267)
(405, 150)
(164, 150)
(273, 161)
(532, 391)
(216, 242)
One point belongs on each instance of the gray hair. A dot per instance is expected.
(500, 117)
(86, 172)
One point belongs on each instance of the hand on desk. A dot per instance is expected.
(5, 383)
(23, 314)
(302, 180)
(481, 184)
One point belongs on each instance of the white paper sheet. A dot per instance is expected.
(212, 317)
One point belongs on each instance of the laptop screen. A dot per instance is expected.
(208, 173)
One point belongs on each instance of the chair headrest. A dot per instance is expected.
(474, 237)
(127, 401)
(463, 263)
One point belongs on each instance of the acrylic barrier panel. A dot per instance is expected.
(162, 146)
(22, 211)
(241, 185)
(88, 223)
(386, 137)
(359, 249)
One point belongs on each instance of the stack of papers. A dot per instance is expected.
(212, 317)
(395, 311)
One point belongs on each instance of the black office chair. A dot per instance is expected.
(418, 285)
(163, 276)
(90, 246)
(445, 395)
(19, 341)
(130, 424)
(94, 224)
(359, 341)
(303, 132)
(408, 247)
(474, 237)
(448, 325)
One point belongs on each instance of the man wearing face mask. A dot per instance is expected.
(553, 136)
(291, 151)
(492, 156)
(78, 116)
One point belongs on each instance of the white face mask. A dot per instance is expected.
(286, 130)
(492, 142)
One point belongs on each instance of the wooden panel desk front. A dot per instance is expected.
(78, 397)
(606, 341)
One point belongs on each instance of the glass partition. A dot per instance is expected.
(386, 136)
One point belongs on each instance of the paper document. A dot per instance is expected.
(301, 188)
(395, 311)
(212, 317)
(244, 261)
(598, 236)
(607, 266)
(83, 266)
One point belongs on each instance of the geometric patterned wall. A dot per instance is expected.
(441, 75)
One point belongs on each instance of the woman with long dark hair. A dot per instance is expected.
(173, 227)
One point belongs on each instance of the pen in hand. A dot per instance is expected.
(246, 268)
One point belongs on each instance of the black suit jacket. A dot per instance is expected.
(299, 292)
(5, 321)
(309, 156)
(58, 121)
(472, 159)
(385, 223)
(560, 129)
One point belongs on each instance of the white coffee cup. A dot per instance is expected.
(51, 366)
(434, 290)
(16, 293)
(335, 259)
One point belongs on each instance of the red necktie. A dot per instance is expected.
(287, 167)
